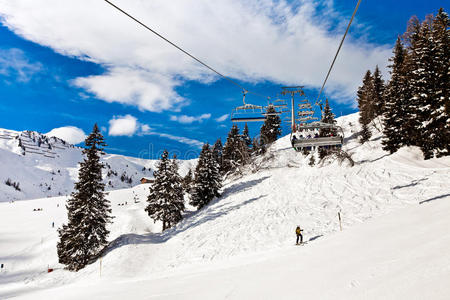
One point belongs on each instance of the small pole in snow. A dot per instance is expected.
(340, 224)
(100, 266)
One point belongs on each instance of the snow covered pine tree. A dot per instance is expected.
(217, 150)
(433, 67)
(365, 105)
(440, 116)
(246, 137)
(207, 181)
(234, 152)
(396, 91)
(271, 129)
(166, 201)
(187, 181)
(378, 93)
(328, 117)
(418, 94)
(85, 234)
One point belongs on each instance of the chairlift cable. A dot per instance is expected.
(181, 49)
(339, 49)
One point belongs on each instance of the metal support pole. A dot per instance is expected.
(292, 114)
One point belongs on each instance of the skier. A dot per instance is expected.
(294, 139)
(298, 232)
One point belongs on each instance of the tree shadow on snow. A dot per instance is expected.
(241, 186)
(158, 238)
(413, 183)
(351, 137)
(208, 213)
(434, 198)
(373, 160)
(134, 239)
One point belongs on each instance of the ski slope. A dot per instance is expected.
(402, 255)
(241, 246)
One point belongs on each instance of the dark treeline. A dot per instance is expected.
(414, 104)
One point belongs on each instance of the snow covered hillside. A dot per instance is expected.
(241, 246)
(37, 166)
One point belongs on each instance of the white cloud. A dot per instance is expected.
(13, 62)
(129, 125)
(222, 118)
(70, 134)
(139, 88)
(283, 42)
(147, 130)
(183, 119)
(181, 139)
(123, 125)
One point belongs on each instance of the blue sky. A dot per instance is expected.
(147, 97)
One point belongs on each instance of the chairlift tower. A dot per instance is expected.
(292, 90)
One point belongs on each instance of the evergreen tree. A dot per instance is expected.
(411, 109)
(417, 97)
(396, 97)
(365, 105)
(177, 195)
(208, 180)
(256, 148)
(165, 202)
(218, 151)
(187, 181)
(271, 129)
(246, 137)
(378, 93)
(422, 81)
(245, 146)
(438, 129)
(85, 234)
(327, 117)
(234, 151)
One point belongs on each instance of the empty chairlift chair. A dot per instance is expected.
(255, 113)
(248, 112)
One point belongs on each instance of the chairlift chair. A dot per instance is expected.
(308, 123)
(248, 112)
(326, 141)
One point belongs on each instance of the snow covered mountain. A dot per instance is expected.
(241, 246)
(35, 166)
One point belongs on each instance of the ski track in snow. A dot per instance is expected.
(256, 215)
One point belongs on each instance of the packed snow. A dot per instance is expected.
(242, 246)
